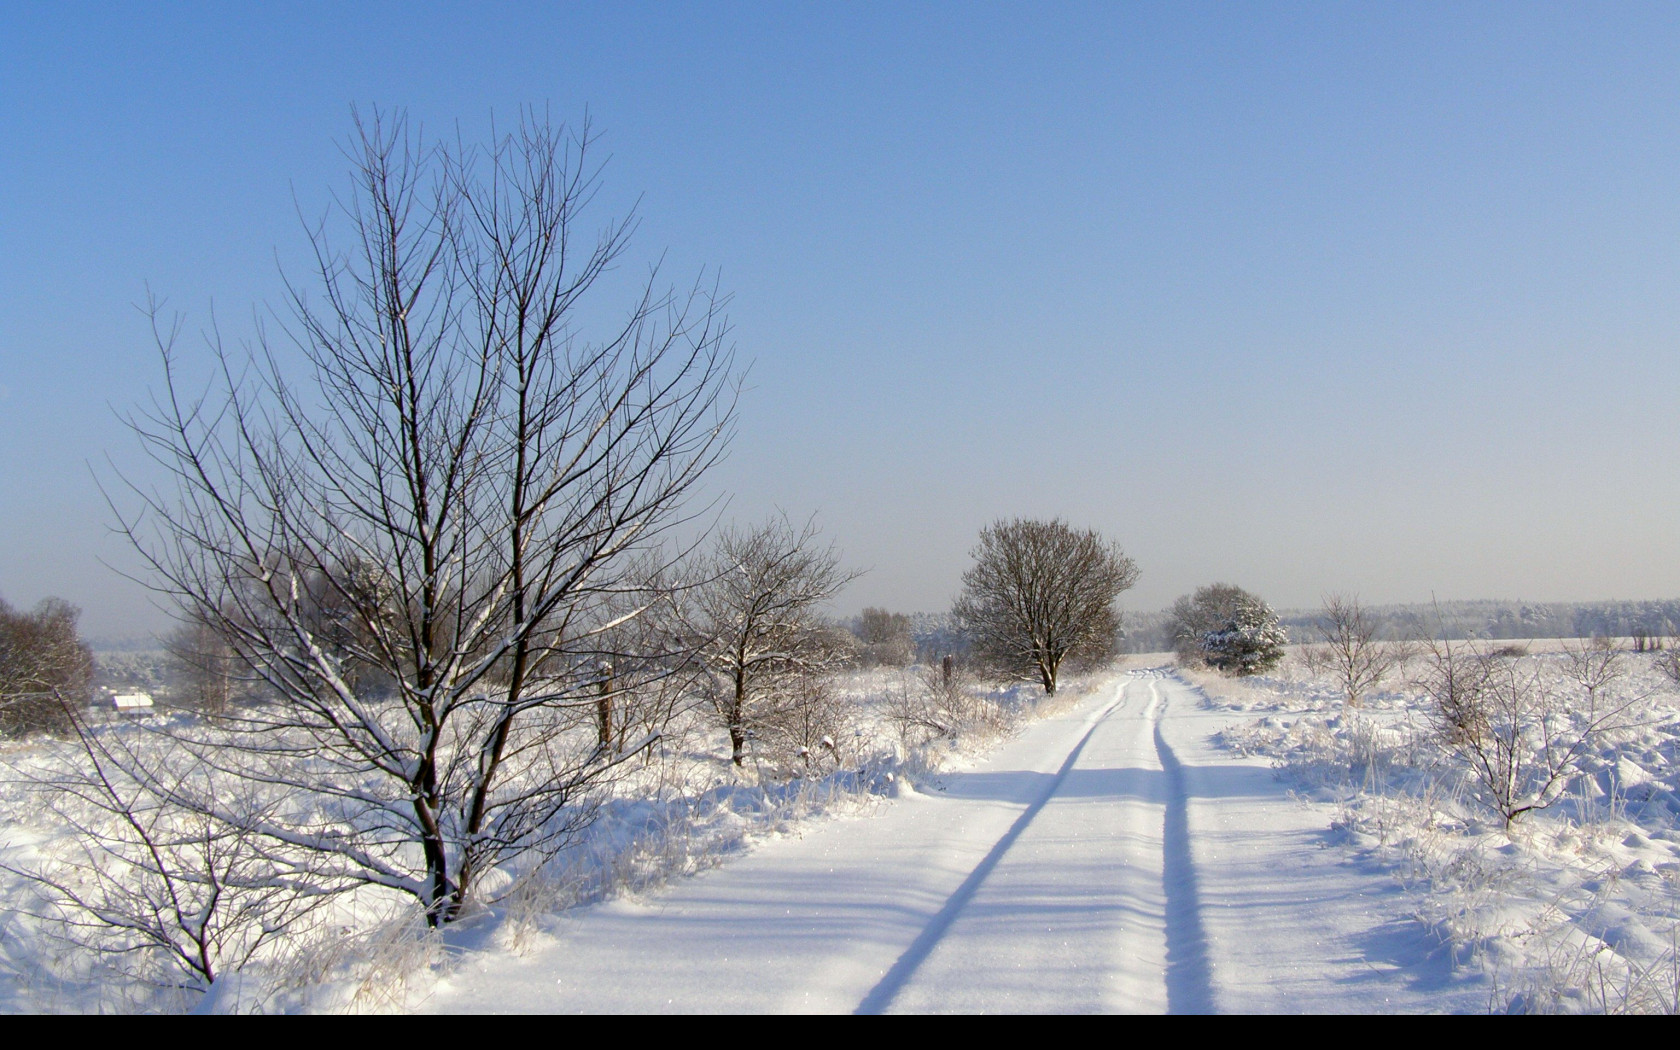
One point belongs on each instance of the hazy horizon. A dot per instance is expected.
(1309, 298)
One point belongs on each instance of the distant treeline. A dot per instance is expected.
(138, 663)
(1148, 632)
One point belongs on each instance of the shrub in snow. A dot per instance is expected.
(1350, 650)
(800, 723)
(1668, 662)
(157, 875)
(1522, 733)
(1228, 629)
(939, 702)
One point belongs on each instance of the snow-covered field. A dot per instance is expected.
(684, 811)
(1148, 840)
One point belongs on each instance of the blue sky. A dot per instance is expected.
(1368, 297)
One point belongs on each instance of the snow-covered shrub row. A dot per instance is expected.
(680, 808)
(1574, 906)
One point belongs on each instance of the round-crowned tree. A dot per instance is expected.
(1040, 593)
(1228, 629)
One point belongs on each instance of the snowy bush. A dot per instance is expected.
(157, 880)
(1228, 629)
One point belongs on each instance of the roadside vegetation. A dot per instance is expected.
(1528, 793)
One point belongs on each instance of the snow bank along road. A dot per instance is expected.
(1111, 858)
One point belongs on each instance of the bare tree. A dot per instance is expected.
(1039, 593)
(754, 616)
(43, 666)
(885, 637)
(418, 514)
(205, 668)
(1357, 659)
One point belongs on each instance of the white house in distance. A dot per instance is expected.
(131, 701)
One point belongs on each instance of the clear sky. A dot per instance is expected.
(1362, 297)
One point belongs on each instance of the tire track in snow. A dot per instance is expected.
(1103, 902)
(1189, 984)
(898, 975)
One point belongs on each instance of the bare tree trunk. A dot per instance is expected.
(604, 713)
(737, 712)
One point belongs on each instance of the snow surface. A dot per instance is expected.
(1114, 857)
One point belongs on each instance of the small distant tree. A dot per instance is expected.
(204, 666)
(885, 637)
(1228, 629)
(44, 666)
(754, 619)
(1041, 593)
(1351, 650)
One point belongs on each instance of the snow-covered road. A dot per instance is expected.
(1109, 859)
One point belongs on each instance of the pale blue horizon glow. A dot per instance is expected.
(1371, 298)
